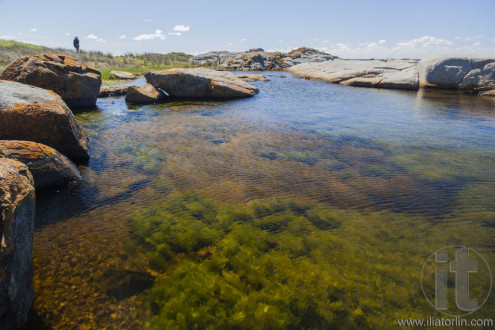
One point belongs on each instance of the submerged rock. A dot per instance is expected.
(77, 83)
(123, 75)
(33, 114)
(144, 94)
(258, 59)
(200, 83)
(48, 167)
(252, 77)
(468, 73)
(397, 74)
(17, 207)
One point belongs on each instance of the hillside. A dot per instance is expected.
(134, 63)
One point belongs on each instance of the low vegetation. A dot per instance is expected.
(137, 64)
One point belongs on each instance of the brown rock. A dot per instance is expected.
(75, 82)
(33, 114)
(145, 94)
(488, 93)
(17, 204)
(123, 75)
(200, 83)
(48, 167)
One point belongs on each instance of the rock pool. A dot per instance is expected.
(310, 205)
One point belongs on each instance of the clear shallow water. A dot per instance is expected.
(364, 183)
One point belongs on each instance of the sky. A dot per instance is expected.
(346, 28)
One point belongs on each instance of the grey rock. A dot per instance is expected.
(390, 73)
(123, 75)
(469, 73)
(17, 207)
(33, 114)
(200, 83)
(252, 77)
(107, 91)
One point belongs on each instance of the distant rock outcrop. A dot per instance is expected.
(75, 82)
(395, 74)
(112, 91)
(200, 83)
(17, 207)
(48, 166)
(144, 94)
(468, 73)
(257, 59)
(33, 114)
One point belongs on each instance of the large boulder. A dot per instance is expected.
(257, 59)
(468, 73)
(200, 83)
(75, 82)
(144, 94)
(113, 91)
(33, 114)
(17, 207)
(390, 73)
(48, 166)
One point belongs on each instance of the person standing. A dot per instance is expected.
(76, 44)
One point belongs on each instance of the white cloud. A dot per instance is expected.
(157, 35)
(181, 28)
(415, 48)
(149, 20)
(33, 30)
(92, 36)
(101, 40)
(67, 34)
(493, 40)
(381, 42)
(325, 41)
(122, 36)
(175, 33)
(230, 44)
(242, 40)
(473, 38)
(279, 41)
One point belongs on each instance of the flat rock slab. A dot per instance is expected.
(252, 77)
(107, 91)
(17, 208)
(488, 93)
(123, 75)
(144, 94)
(200, 83)
(396, 74)
(48, 166)
(77, 83)
(33, 114)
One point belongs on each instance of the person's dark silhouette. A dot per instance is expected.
(76, 44)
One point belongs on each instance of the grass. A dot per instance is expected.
(138, 64)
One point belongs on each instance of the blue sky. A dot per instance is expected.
(350, 28)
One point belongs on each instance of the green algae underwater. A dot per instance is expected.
(309, 211)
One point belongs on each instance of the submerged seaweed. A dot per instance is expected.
(281, 264)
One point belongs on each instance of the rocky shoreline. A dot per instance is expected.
(473, 74)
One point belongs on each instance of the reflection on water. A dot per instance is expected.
(400, 173)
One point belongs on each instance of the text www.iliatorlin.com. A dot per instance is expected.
(444, 322)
